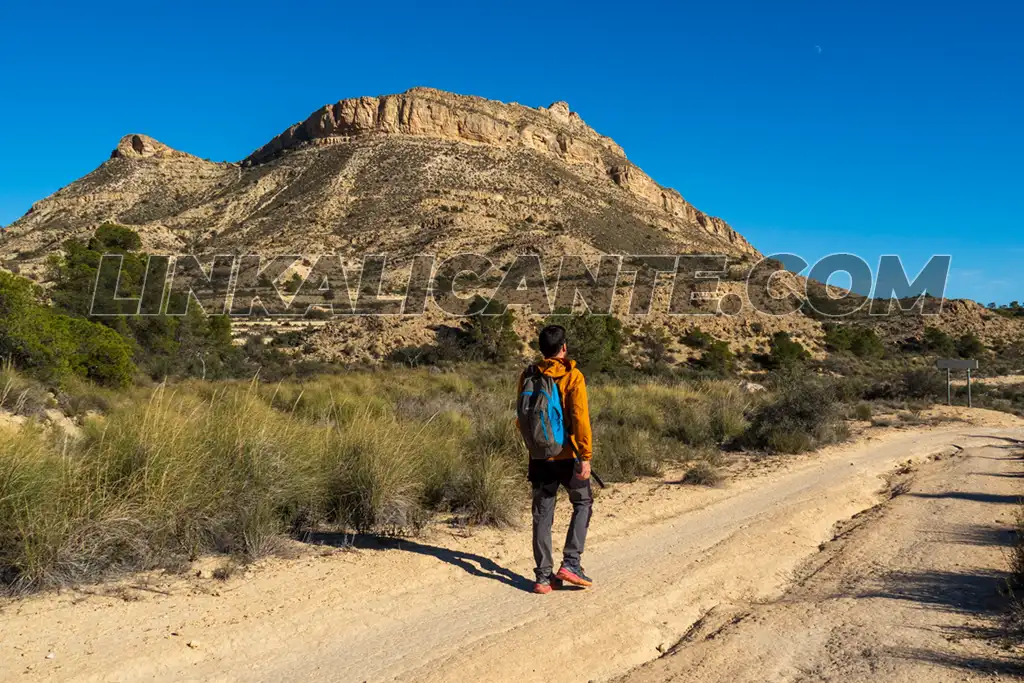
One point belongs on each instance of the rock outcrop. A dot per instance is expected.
(420, 170)
(554, 130)
(143, 146)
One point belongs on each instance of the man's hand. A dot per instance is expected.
(582, 470)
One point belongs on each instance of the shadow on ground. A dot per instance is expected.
(975, 593)
(990, 665)
(981, 535)
(474, 564)
(975, 496)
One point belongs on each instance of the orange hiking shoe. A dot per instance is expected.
(542, 587)
(574, 576)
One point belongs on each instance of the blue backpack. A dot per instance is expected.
(539, 410)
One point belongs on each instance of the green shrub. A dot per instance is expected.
(862, 342)
(595, 341)
(783, 352)
(110, 237)
(696, 338)
(35, 338)
(863, 412)
(717, 359)
(102, 355)
(803, 415)
(969, 346)
(32, 337)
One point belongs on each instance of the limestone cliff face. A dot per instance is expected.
(554, 130)
(401, 174)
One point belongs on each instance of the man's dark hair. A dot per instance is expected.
(551, 340)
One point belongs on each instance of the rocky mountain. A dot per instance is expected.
(419, 171)
(423, 171)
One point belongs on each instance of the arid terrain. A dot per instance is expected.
(427, 172)
(849, 564)
(165, 524)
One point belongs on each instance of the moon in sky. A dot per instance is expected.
(818, 48)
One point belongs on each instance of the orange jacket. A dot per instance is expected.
(573, 390)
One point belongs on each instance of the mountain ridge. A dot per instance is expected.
(369, 172)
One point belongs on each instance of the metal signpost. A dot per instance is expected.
(957, 364)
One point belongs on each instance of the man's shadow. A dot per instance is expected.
(477, 565)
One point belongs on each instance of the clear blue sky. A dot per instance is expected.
(901, 135)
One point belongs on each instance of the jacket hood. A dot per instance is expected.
(556, 367)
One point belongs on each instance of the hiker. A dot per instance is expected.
(557, 434)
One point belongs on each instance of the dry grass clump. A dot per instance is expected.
(801, 416)
(702, 473)
(56, 524)
(169, 474)
(20, 394)
(640, 427)
(157, 482)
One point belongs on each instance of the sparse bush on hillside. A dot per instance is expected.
(717, 359)
(595, 341)
(653, 342)
(922, 383)
(862, 342)
(938, 342)
(488, 335)
(783, 352)
(696, 338)
(913, 383)
(969, 346)
(491, 335)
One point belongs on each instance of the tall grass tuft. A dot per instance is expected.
(378, 480)
(487, 491)
(56, 525)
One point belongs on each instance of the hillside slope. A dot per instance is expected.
(420, 171)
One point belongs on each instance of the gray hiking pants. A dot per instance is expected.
(544, 493)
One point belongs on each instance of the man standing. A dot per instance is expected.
(568, 467)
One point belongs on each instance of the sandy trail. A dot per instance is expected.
(446, 607)
(908, 592)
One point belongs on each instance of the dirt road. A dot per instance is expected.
(450, 607)
(908, 592)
